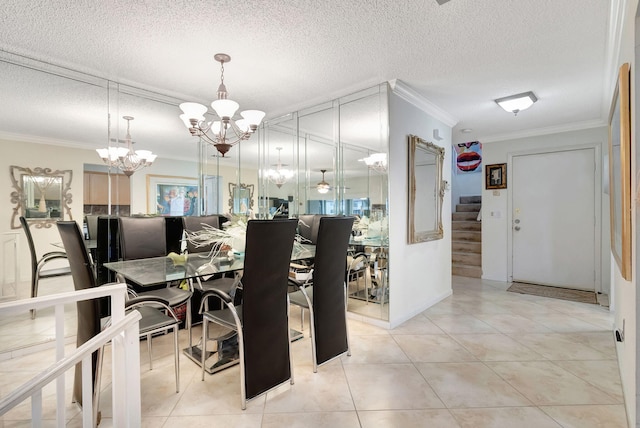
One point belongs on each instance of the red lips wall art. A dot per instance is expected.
(468, 157)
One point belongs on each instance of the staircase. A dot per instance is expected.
(466, 238)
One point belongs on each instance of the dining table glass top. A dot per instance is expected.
(158, 270)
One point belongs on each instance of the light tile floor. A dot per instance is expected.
(483, 357)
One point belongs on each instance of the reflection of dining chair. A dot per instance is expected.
(92, 225)
(89, 323)
(37, 265)
(144, 237)
(325, 294)
(308, 227)
(262, 319)
(358, 267)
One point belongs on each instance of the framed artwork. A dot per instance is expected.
(496, 176)
(168, 195)
(620, 173)
(468, 158)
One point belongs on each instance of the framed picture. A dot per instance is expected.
(620, 173)
(496, 176)
(168, 195)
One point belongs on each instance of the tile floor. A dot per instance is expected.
(483, 357)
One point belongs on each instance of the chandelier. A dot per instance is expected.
(125, 158)
(323, 186)
(280, 175)
(376, 162)
(224, 132)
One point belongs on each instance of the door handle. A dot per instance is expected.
(517, 228)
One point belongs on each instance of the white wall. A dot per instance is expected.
(496, 228)
(625, 297)
(420, 274)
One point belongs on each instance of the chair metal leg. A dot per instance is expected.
(96, 387)
(149, 350)
(345, 320)
(34, 289)
(177, 356)
(289, 342)
(188, 320)
(243, 387)
(203, 345)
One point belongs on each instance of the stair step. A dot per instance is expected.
(469, 259)
(468, 207)
(466, 236)
(468, 271)
(470, 199)
(464, 216)
(475, 226)
(466, 246)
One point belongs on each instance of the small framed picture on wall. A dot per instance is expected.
(496, 176)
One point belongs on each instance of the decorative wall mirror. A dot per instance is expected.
(426, 190)
(41, 195)
(241, 198)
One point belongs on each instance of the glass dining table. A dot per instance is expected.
(161, 270)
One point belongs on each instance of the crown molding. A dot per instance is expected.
(557, 129)
(26, 138)
(410, 95)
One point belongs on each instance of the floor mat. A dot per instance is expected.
(554, 292)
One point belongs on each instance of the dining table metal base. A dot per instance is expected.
(214, 362)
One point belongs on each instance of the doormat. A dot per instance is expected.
(554, 292)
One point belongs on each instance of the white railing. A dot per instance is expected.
(123, 332)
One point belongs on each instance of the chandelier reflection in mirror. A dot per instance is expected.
(279, 175)
(225, 132)
(125, 158)
(376, 162)
(323, 187)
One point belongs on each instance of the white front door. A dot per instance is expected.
(553, 218)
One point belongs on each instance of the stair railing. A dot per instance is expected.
(124, 336)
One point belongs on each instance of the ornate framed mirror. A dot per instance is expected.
(426, 190)
(240, 198)
(41, 195)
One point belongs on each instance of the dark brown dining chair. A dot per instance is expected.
(325, 294)
(38, 264)
(88, 311)
(261, 320)
(145, 237)
(154, 319)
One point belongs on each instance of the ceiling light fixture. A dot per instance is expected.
(376, 161)
(280, 175)
(215, 132)
(323, 186)
(125, 158)
(516, 103)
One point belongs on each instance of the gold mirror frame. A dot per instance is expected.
(19, 195)
(239, 198)
(417, 196)
(620, 172)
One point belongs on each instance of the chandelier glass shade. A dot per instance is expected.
(225, 132)
(279, 175)
(125, 158)
(376, 162)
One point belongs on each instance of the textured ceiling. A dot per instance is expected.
(292, 54)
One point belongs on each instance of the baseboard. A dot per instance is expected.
(427, 305)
